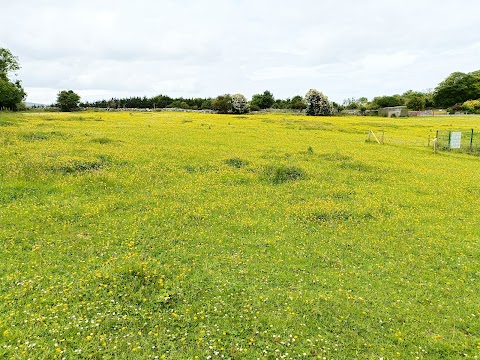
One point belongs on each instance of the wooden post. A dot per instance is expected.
(428, 141)
(435, 143)
(374, 136)
(368, 139)
(471, 141)
(383, 136)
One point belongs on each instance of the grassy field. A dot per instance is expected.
(184, 236)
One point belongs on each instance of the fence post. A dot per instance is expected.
(435, 143)
(471, 141)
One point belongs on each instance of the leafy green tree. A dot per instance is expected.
(353, 104)
(179, 104)
(386, 101)
(8, 62)
(297, 103)
(457, 88)
(416, 102)
(263, 101)
(68, 100)
(222, 104)
(206, 104)
(239, 104)
(11, 92)
(317, 104)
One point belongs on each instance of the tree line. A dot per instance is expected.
(221, 103)
(459, 91)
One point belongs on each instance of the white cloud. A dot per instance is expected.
(191, 48)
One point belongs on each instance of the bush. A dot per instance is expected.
(297, 103)
(282, 173)
(206, 105)
(222, 104)
(236, 162)
(472, 106)
(317, 104)
(239, 104)
(254, 107)
(457, 107)
(179, 104)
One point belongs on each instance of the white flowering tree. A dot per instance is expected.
(239, 104)
(317, 104)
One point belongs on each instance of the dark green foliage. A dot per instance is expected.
(180, 104)
(338, 216)
(206, 104)
(102, 140)
(156, 102)
(78, 166)
(263, 101)
(278, 174)
(332, 216)
(222, 104)
(416, 103)
(75, 166)
(36, 136)
(68, 100)
(236, 162)
(40, 135)
(297, 103)
(387, 101)
(11, 92)
(457, 88)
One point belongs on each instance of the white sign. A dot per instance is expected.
(455, 139)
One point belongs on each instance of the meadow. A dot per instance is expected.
(168, 235)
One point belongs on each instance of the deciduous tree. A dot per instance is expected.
(263, 101)
(67, 100)
(222, 104)
(457, 88)
(239, 104)
(317, 104)
(11, 92)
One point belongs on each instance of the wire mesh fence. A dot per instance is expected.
(458, 141)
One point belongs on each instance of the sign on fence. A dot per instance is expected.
(455, 139)
(463, 141)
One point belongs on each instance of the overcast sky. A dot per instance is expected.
(344, 48)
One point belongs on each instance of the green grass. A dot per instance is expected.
(179, 235)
